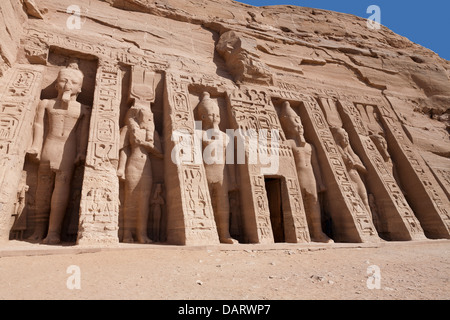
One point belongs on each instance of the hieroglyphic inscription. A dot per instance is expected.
(99, 215)
(103, 151)
(394, 203)
(99, 209)
(17, 110)
(39, 41)
(253, 109)
(298, 213)
(354, 204)
(198, 215)
(262, 212)
(426, 181)
(443, 176)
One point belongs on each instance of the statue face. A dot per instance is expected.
(383, 142)
(298, 126)
(293, 125)
(69, 81)
(211, 117)
(343, 137)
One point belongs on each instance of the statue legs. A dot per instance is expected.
(52, 196)
(313, 214)
(137, 206)
(221, 206)
(46, 178)
(60, 199)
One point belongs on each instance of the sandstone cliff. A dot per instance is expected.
(279, 42)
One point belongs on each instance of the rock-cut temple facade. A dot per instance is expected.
(207, 122)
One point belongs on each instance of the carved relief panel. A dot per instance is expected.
(345, 204)
(253, 112)
(423, 192)
(190, 212)
(99, 213)
(21, 86)
(394, 218)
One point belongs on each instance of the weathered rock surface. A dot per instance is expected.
(330, 66)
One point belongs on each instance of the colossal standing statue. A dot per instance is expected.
(308, 170)
(217, 172)
(353, 163)
(141, 142)
(63, 147)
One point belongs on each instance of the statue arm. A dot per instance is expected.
(123, 154)
(358, 163)
(38, 131)
(231, 168)
(153, 147)
(317, 171)
(83, 134)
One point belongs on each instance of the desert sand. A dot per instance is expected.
(409, 271)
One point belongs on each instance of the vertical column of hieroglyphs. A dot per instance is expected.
(394, 216)
(255, 212)
(425, 196)
(99, 212)
(190, 213)
(18, 102)
(253, 110)
(351, 221)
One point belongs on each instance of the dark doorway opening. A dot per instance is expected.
(273, 189)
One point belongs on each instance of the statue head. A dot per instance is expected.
(69, 82)
(209, 111)
(291, 121)
(379, 140)
(341, 136)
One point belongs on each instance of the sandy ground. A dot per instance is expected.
(415, 270)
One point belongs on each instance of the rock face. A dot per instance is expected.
(213, 121)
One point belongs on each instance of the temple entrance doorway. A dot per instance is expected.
(274, 196)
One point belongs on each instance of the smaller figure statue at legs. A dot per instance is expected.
(308, 170)
(157, 203)
(20, 217)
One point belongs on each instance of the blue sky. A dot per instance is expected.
(424, 22)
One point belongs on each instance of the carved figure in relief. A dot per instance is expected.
(157, 202)
(308, 170)
(20, 217)
(141, 142)
(64, 147)
(381, 144)
(353, 164)
(216, 170)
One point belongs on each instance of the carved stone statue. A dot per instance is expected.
(20, 217)
(217, 172)
(353, 164)
(157, 202)
(308, 170)
(141, 142)
(64, 146)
